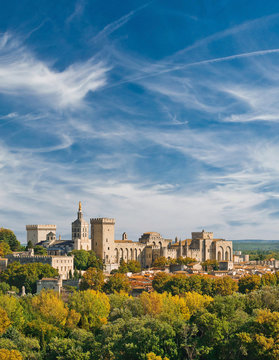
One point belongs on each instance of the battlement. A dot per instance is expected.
(102, 221)
(41, 227)
(202, 235)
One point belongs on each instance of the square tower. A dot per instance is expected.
(102, 236)
(37, 233)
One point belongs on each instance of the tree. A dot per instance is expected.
(249, 283)
(29, 245)
(116, 283)
(195, 301)
(9, 237)
(4, 321)
(51, 308)
(123, 268)
(80, 259)
(15, 340)
(159, 281)
(4, 249)
(172, 308)
(42, 330)
(261, 339)
(134, 338)
(93, 306)
(10, 354)
(92, 279)
(185, 260)
(27, 275)
(160, 261)
(152, 356)
(66, 349)
(13, 308)
(40, 250)
(224, 286)
(94, 260)
(84, 259)
(133, 266)
(210, 265)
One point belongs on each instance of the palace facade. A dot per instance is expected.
(202, 245)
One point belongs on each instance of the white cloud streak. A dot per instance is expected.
(117, 24)
(22, 74)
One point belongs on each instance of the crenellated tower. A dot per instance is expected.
(102, 237)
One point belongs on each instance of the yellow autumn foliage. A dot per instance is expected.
(4, 321)
(195, 301)
(10, 354)
(270, 320)
(169, 307)
(152, 356)
(93, 306)
(51, 307)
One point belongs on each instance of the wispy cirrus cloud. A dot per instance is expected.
(22, 74)
(117, 24)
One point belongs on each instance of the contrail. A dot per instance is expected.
(202, 62)
(110, 28)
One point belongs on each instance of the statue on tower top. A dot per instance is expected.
(79, 206)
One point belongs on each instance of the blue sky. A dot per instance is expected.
(163, 115)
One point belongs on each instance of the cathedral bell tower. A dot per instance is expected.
(80, 232)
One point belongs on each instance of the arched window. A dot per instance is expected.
(116, 254)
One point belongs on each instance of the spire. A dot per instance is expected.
(79, 210)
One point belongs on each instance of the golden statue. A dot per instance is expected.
(79, 206)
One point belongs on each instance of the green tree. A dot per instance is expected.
(9, 237)
(159, 281)
(94, 260)
(27, 275)
(84, 259)
(116, 283)
(40, 250)
(133, 266)
(29, 245)
(15, 340)
(66, 349)
(80, 259)
(123, 268)
(133, 339)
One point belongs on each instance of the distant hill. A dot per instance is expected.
(256, 244)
